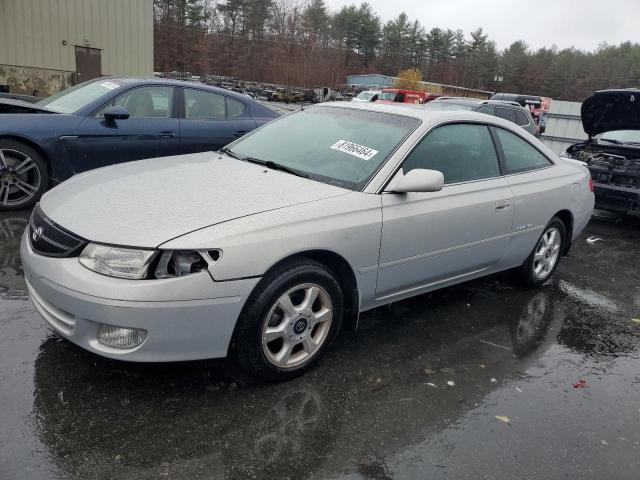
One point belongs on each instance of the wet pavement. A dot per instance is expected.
(482, 380)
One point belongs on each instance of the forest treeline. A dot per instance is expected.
(303, 43)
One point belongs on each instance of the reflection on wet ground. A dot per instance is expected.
(483, 380)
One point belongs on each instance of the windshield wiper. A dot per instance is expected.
(231, 153)
(276, 166)
(265, 163)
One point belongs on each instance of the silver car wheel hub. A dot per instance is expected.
(19, 177)
(547, 253)
(297, 325)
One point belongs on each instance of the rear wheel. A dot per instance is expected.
(23, 175)
(289, 320)
(544, 258)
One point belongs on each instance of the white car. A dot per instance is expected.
(268, 248)
(367, 96)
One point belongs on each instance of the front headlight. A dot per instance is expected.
(117, 262)
(137, 264)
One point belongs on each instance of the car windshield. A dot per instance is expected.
(74, 98)
(389, 96)
(621, 136)
(366, 95)
(340, 146)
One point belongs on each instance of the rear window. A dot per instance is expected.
(522, 118)
(506, 113)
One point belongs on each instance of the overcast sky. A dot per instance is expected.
(541, 23)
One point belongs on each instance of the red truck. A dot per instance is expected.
(399, 95)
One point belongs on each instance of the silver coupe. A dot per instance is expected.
(265, 250)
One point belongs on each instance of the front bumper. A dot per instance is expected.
(186, 318)
(617, 198)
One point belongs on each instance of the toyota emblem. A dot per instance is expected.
(36, 234)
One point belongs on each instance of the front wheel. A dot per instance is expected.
(289, 320)
(544, 258)
(23, 175)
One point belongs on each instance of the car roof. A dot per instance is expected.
(427, 116)
(129, 81)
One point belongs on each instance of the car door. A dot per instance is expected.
(150, 131)
(538, 192)
(212, 120)
(429, 239)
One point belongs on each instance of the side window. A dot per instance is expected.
(522, 118)
(144, 102)
(488, 110)
(519, 155)
(462, 152)
(507, 114)
(201, 104)
(234, 107)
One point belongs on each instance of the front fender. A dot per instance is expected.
(348, 225)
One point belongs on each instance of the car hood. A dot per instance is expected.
(148, 202)
(10, 105)
(609, 110)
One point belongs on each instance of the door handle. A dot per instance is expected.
(239, 133)
(167, 134)
(503, 205)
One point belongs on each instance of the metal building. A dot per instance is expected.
(564, 126)
(377, 81)
(49, 45)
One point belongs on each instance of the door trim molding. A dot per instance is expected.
(431, 284)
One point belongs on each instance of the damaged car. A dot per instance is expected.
(611, 119)
(267, 249)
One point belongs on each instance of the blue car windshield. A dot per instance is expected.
(340, 146)
(74, 98)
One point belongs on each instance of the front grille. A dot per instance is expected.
(51, 240)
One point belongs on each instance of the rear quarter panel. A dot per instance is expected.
(541, 194)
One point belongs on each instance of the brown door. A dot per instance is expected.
(88, 64)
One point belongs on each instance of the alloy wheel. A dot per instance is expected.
(20, 177)
(547, 253)
(297, 325)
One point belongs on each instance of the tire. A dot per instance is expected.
(276, 345)
(544, 258)
(23, 175)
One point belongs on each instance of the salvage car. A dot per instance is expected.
(275, 246)
(611, 119)
(113, 120)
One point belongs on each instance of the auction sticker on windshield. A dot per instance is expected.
(360, 151)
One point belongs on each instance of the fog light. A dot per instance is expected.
(120, 337)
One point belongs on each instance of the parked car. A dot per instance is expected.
(114, 120)
(538, 106)
(510, 111)
(367, 96)
(267, 249)
(400, 95)
(611, 119)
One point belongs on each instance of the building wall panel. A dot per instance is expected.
(32, 34)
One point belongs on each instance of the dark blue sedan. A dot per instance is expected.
(113, 120)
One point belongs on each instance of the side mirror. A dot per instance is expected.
(417, 180)
(112, 114)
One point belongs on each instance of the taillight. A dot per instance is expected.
(591, 184)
